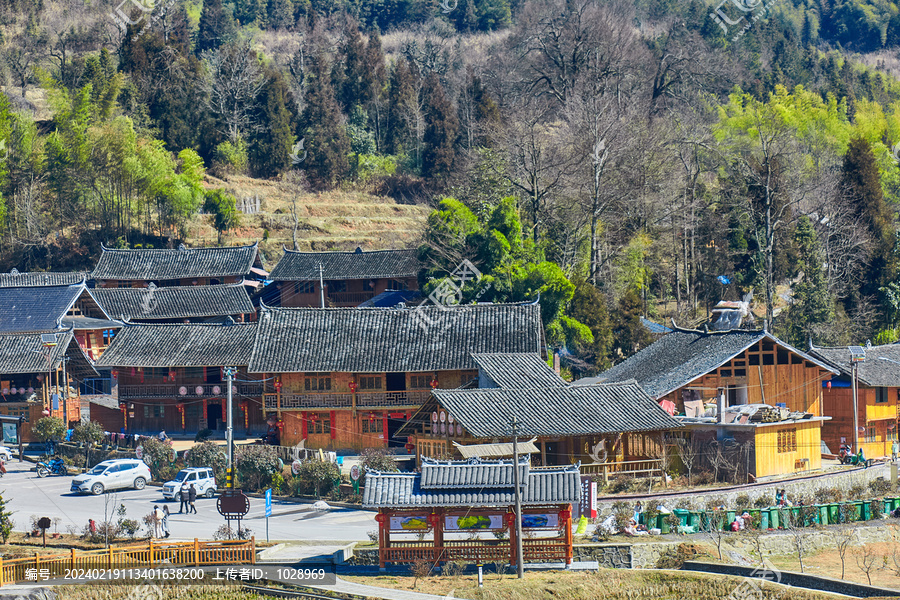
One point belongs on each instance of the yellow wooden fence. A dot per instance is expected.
(152, 554)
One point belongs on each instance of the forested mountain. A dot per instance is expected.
(620, 158)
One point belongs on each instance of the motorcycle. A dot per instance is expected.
(56, 467)
(847, 457)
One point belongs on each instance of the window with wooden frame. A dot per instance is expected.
(317, 382)
(370, 382)
(373, 425)
(304, 287)
(156, 373)
(870, 434)
(881, 395)
(420, 382)
(156, 411)
(787, 441)
(892, 433)
(318, 423)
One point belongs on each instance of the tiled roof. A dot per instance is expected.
(164, 264)
(177, 302)
(36, 308)
(678, 358)
(555, 411)
(487, 474)
(38, 278)
(545, 486)
(392, 298)
(881, 368)
(378, 264)
(378, 340)
(180, 345)
(26, 353)
(516, 370)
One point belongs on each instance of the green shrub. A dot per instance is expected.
(89, 432)
(317, 477)
(211, 456)
(203, 435)
(231, 158)
(742, 501)
(158, 456)
(376, 459)
(761, 502)
(255, 466)
(49, 429)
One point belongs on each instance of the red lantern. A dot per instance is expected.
(353, 385)
(172, 375)
(278, 383)
(380, 518)
(828, 385)
(434, 383)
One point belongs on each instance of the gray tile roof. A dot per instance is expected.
(378, 340)
(483, 474)
(516, 370)
(176, 302)
(36, 308)
(180, 345)
(164, 264)
(25, 353)
(555, 411)
(378, 264)
(545, 486)
(875, 371)
(38, 278)
(677, 358)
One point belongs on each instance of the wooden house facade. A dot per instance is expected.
(617, 424)
(878, 398)
(170, 377)
(349, 278)
(709, 377)
(351, 378)
(40, 374)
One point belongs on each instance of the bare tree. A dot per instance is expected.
(688, 452)
(231, 85)
(843, 539)
(867, 560)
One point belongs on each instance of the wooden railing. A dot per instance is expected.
(151, 554)
(329, 401)
(536, 550)
(628, 468)
(353, 298)
(170, 390)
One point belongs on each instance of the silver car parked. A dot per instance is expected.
(112, 475)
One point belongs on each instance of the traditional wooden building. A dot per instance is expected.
(712, 379)
(170, 377)
(618, 423)
(878, 408)
(447, 511)
(351, 378)
(349, 278)
(126, 268)
(39, 376)
(42, 278)
(178, 304)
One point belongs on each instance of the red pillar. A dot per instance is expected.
(438, 524)
(382, 520)
(384, 426)
(565, 520)
(511, 526)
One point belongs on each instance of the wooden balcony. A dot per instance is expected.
(331, 401)
(882, 411)
(170, 390)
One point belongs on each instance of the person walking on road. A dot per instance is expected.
(165, 521)
(895, 450)
(185, 507)
(192, 497)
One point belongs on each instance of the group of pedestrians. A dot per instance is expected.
(161, 515)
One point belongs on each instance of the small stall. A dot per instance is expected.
(463, 511)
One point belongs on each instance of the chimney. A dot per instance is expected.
(556, 362)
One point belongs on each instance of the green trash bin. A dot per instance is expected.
(774, 518)
(682, 515)
(834, 513)
(822, 509)
(866, 510)
(730, 515)
(764, 519)
(885, 506)
(694, 520)
(754, 516)
(795, 516)
(856, 510)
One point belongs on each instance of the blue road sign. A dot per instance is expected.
(269, 502)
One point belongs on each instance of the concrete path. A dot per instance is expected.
(372, 591)
(314, 552)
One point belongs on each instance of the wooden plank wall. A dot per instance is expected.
(770, 461)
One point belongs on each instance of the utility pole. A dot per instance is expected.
(855, 410)
(520, 559)
(321, 286)
(65, 396)
(229, 429)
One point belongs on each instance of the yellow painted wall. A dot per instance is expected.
(769, 461)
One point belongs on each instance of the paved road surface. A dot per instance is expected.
(27, 494)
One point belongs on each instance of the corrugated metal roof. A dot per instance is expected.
(379, 340)
(377, 264)
(165, 264)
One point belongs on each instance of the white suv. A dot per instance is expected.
(112, 475)
(203, 479)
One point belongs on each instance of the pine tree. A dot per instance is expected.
(6, 523)
(270, 145)
(438, 152)
(216, 26)
(352, 81)
(813, 302)
(629, 334)
(400, 95)
(861, 186)
(323, 130)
